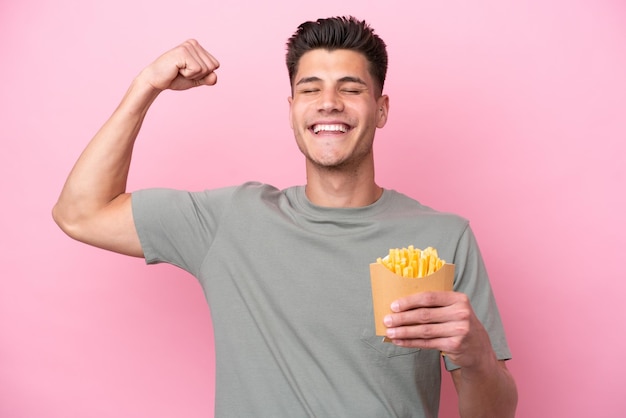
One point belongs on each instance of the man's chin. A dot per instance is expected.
(330, 164)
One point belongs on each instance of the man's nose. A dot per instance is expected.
(330, 100)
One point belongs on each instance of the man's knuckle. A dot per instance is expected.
(424, 315)
(465, 314)
(463, 329)
(427, 331)
(430, 298)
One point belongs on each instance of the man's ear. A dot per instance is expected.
(383, 110)
(290, 101)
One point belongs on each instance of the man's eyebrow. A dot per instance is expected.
(308, 80)
(351, 79)
(346, 79)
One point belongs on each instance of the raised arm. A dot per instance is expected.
(94, 206)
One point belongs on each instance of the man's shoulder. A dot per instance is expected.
(401, 200)
(215, 197)
(250, 194)
(256, 190)
(242, 190)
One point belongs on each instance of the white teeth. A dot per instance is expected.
(330, 128)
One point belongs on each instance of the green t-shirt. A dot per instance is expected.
(288, 287)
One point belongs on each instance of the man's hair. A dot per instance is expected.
(339, 33)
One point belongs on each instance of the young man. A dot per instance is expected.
(286, 272)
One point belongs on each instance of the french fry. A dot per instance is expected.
(412, 262)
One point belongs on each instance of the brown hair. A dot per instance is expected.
(339, 33)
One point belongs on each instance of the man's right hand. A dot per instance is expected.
(185, 66)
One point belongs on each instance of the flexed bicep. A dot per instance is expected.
(111, 227)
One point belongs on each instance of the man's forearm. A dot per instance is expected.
(486, 393)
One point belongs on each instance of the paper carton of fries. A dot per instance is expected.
(404, 272)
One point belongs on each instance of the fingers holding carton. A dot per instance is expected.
(443, 321)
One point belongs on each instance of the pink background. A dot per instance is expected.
(512, 114)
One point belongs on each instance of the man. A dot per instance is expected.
(286, 272)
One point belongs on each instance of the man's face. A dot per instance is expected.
(334, 110)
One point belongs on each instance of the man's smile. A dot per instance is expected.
(330, 128)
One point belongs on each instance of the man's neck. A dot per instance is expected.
(336, 188)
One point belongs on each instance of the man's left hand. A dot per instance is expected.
(443, 321)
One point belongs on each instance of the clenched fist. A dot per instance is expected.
(185, 66)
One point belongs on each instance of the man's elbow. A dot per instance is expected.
(68, 221)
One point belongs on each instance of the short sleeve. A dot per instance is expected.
(472, 279)
(178, 227)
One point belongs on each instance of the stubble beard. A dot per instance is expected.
(348, 165)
